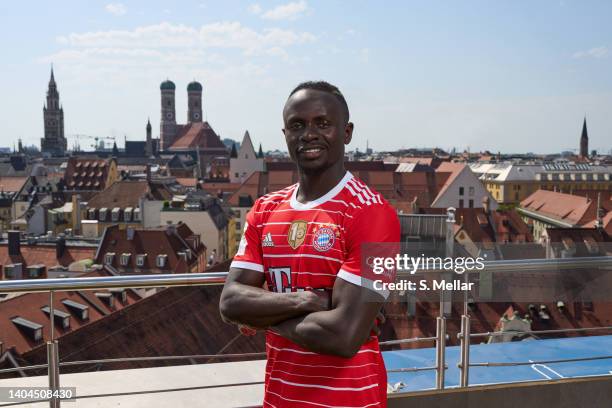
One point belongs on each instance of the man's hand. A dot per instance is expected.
(378, 322)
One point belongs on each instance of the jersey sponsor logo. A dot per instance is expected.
(267, 241)
(324, 239)
(297, 233)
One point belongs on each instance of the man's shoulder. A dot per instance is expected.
(273, 199)
(360, 196)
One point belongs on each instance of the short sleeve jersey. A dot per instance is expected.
(307, 246)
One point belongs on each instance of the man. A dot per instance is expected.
(304, 243)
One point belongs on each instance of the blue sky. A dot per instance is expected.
(510, 76)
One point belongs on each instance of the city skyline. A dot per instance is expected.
(508, 77)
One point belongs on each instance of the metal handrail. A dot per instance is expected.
(522, 363)
(551, 331)
(408, 340)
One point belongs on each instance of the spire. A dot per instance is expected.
(260, 152)
(585, 134)
(584, 140)
(149, 124)
(234, 153)
(52, 80)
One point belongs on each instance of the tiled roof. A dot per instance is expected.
(187, 181)
(174, 321)
(12, 184)
(46, 255)
(126, 193)
(153, 242)
(198, 134)
(28, 306)
(581, 241)
(567, 208)
(86, 173)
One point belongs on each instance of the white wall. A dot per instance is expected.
(465, 179)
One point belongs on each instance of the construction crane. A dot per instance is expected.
(97, 140)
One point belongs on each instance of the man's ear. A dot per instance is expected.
(348, 133)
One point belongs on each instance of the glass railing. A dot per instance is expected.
(439, 366)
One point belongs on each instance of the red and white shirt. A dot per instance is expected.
(306, 246)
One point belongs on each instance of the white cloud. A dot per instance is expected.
(117, 9)
(232, 35)
(596, 52)
(255, 8)
(289, 11)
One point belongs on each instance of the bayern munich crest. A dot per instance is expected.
(324, 239)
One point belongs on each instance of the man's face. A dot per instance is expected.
(316, 129)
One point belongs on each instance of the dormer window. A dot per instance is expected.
(33, 329)
(140, 260)
(102, 214)
(115, 214)
(79, 309)
(91, 214)
(107, 298)
(59, 316)
(125, 259)
(161, 261)
(127, 214)
(120, 293)
(109, 258)
(137, 214)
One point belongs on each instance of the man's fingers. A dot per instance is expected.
(381, 318)
(247, 331)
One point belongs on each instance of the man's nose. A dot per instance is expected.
(310, 133)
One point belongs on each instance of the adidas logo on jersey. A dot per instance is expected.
(267, 241)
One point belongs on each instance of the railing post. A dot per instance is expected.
(440, 352)
(53, 371)
(464, 360)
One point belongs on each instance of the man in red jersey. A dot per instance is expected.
(304, 243)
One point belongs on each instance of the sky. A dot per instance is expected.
(509, 76)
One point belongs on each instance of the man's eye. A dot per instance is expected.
(296, 126)
(324, 124)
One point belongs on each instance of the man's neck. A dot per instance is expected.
(315, 185)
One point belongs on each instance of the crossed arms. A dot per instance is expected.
(307, 318)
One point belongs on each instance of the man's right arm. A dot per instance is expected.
(244, 301)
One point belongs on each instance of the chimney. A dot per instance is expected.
(14, 243)
(148, 173)
(485, 205)
(599, 213)
(76, 211)
(60, 246)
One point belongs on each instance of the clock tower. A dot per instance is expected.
(53, 142)
(194, 102)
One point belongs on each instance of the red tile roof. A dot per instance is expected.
(153, 242)
(87, 173)
(174, 321)
(10, 184)
(43, 254)
(28, 306)
(199, 134)
(568, 208)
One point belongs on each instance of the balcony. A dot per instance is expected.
(572, 372)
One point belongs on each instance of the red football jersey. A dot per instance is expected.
(305, 246)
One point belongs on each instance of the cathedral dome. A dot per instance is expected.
(194, 86)
(167, 84)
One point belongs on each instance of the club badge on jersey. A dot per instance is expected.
(297, 233)
(323, 239)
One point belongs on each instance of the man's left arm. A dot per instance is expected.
(342, 330)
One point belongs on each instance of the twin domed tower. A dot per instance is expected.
(168, 127)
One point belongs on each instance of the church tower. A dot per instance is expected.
(53, 142)
(149, 142)
(168, 128)
(194, 102)
(584, 141)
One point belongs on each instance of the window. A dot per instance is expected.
(125, 259)
(461, 203)
(109, 257)
(236, 175)
(115, 214)
(471, 203)
(246, 156)
(160, 261)
(140, 260)
(460, 190)
(137, 214)
(471, 191)
(102, 214)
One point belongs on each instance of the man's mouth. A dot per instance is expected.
(310, 152)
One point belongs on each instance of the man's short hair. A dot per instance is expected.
(324, 86)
